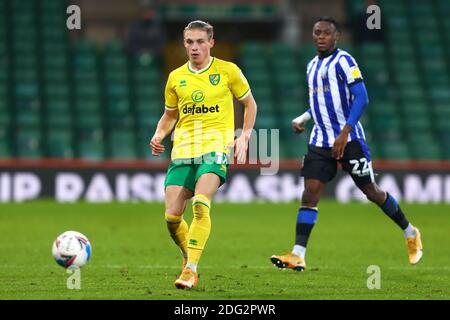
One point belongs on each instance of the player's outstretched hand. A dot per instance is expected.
(297, 127)
(156, 146)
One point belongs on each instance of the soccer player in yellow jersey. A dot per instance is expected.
(199, 104)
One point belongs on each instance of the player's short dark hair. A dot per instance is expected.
(201, 25)
(330, 20)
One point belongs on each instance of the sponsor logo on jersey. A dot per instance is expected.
(198, 96)
(200, 109)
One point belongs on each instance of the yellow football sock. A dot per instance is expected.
(199, 229)
(178, 229)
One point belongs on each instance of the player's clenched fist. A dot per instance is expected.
(156, 146)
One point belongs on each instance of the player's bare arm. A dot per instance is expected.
(165, 126)
(241, 143)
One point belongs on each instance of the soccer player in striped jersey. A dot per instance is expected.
(337, 97)
(199, 105)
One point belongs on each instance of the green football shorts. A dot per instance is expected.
(186, 172)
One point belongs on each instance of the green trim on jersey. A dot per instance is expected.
(207, 67)
(246, 92)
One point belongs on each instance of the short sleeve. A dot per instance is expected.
(238, 83)
(349, 70)
(171, 98)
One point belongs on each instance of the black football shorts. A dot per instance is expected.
(319, 163)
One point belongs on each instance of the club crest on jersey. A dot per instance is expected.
(214, 79)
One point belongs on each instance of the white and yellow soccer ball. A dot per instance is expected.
(71, 250)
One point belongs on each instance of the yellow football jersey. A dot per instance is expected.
(204, 100)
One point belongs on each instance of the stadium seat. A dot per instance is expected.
(5, 145)
(122, 144)
(90, 144)
(59, 143)
(28, 143)
(395, 150)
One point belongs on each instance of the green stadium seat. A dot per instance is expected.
(146, 119)
(266, 121)
(118, 107)
(53, 31)
(57, 106)
(149, 93)
(84, 105)
(424, 148)
(5, 143)
(401, 52)
(295, 147)
(87, 77)
(52, 5)
(88, 90)
(412, 93)
(57, 90)
(308, 52)
(147, 77)
(439, 93)
(90, 144)
(421, 8)
(283, 51)
(149, 106)
(415, 108)
(122, 145)
(262, 94)
(59, 143)
(55, 75)
(386, 125)
(442, 125)
(253, 65)
(400, 36)
(88, 120)
(395, 150)
(25, 73)
(383, 109)
(5, 116)
(117, 91)
(252, 50)
(59, 120)
(441, 111)
(372, 50)
(28, 118)
(28, 143)
(115, 47)
(392, 7)
(413, 122)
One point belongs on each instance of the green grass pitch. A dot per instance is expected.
(134, 257)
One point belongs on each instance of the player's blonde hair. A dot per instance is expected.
(201, 25)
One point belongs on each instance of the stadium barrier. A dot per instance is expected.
(106, 181)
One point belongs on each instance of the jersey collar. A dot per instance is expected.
(329, 54)
(211, 59)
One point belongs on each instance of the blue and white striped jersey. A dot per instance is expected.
(330, 98)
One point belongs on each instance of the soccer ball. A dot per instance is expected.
(71, 250)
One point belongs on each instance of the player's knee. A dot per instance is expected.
(310, 198)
